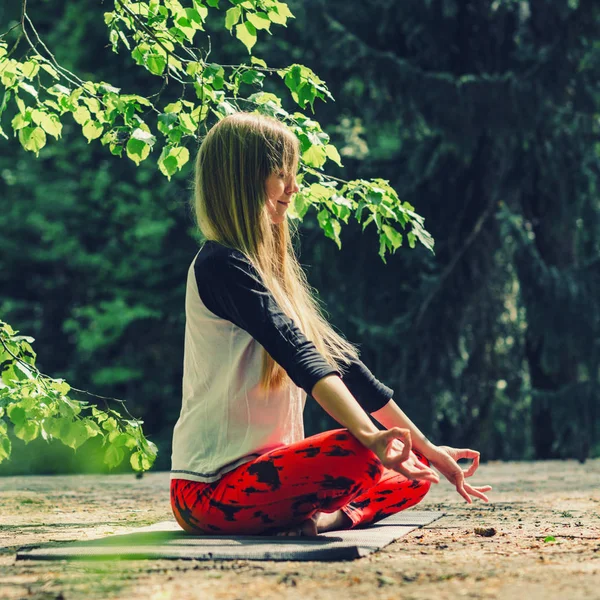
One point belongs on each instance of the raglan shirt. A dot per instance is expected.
(226, 417)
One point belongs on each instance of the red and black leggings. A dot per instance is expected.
(284, 487)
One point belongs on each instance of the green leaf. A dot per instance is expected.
(151, 449)
(300, 206)
(382, 248)
(139, 461)
(330, 226)
(411, 239)
(320, 192)
(252, 77)
(62, 387)
(21, 371)
(166, 122)
(99, 415)
(259, 19)
(280, 13)
(137, 150)
(28, 88)
(246, 33)
(173, 160)
(50, 70)
(56, 426)
(5, 447)
(51, 124)
(92, 130)
(76, 434)
(367, 221)
(306, 93)
(93, 104)
(393, 236)
(173, 107)
(27, 431)
(549, 538)
(124, 40)
(82, 115)
(315, 156)
(293, 78)
(114, 456)
(91, 427)
(193, 69)
(232, 16)
(20, 121)
(167, 166)
(156, 63)
(16, 414)
(30, 69)
(21, 105)
(109, 424)
(32, 139)
(332, 154)
(144, 136)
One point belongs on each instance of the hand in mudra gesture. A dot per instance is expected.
(445, 460)
(393, 448)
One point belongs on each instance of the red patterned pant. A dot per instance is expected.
(284, 487)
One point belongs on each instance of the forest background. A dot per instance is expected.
(483, 115)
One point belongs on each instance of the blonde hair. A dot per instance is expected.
(233, 162)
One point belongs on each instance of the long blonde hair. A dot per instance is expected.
(233, 162)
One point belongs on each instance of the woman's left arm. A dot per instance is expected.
(443, 458)
(391, 415)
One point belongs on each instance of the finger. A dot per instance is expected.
(410, 472)
(478, 492)
(420, 467)
(404, 436)
(460, 488)
(474, 465)
(417, 475)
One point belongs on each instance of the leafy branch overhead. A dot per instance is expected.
(162, 37)
(38, 405)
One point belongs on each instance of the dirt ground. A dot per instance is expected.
(530, 503)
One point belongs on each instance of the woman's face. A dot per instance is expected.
(280, 188)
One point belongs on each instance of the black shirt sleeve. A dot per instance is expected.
(231, 288)
(369, 392)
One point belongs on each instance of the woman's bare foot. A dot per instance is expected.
(319, 523)
(332, 521)
(308, 527)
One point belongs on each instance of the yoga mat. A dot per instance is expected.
(166, 540)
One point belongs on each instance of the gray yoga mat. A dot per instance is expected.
(166, 540)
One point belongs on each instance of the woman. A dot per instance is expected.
(255, 345)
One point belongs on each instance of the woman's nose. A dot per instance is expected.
(294, 186)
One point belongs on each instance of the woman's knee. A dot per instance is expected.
(420, 489)
(363, 465)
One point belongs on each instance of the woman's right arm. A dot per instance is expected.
(335, 398)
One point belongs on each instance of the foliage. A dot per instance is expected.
(160, 37)
(157, 34)
(483, 115)
(38, 405)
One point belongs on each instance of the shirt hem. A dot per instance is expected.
(213, 476)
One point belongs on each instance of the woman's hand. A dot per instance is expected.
(445, 460)
(399, 457)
